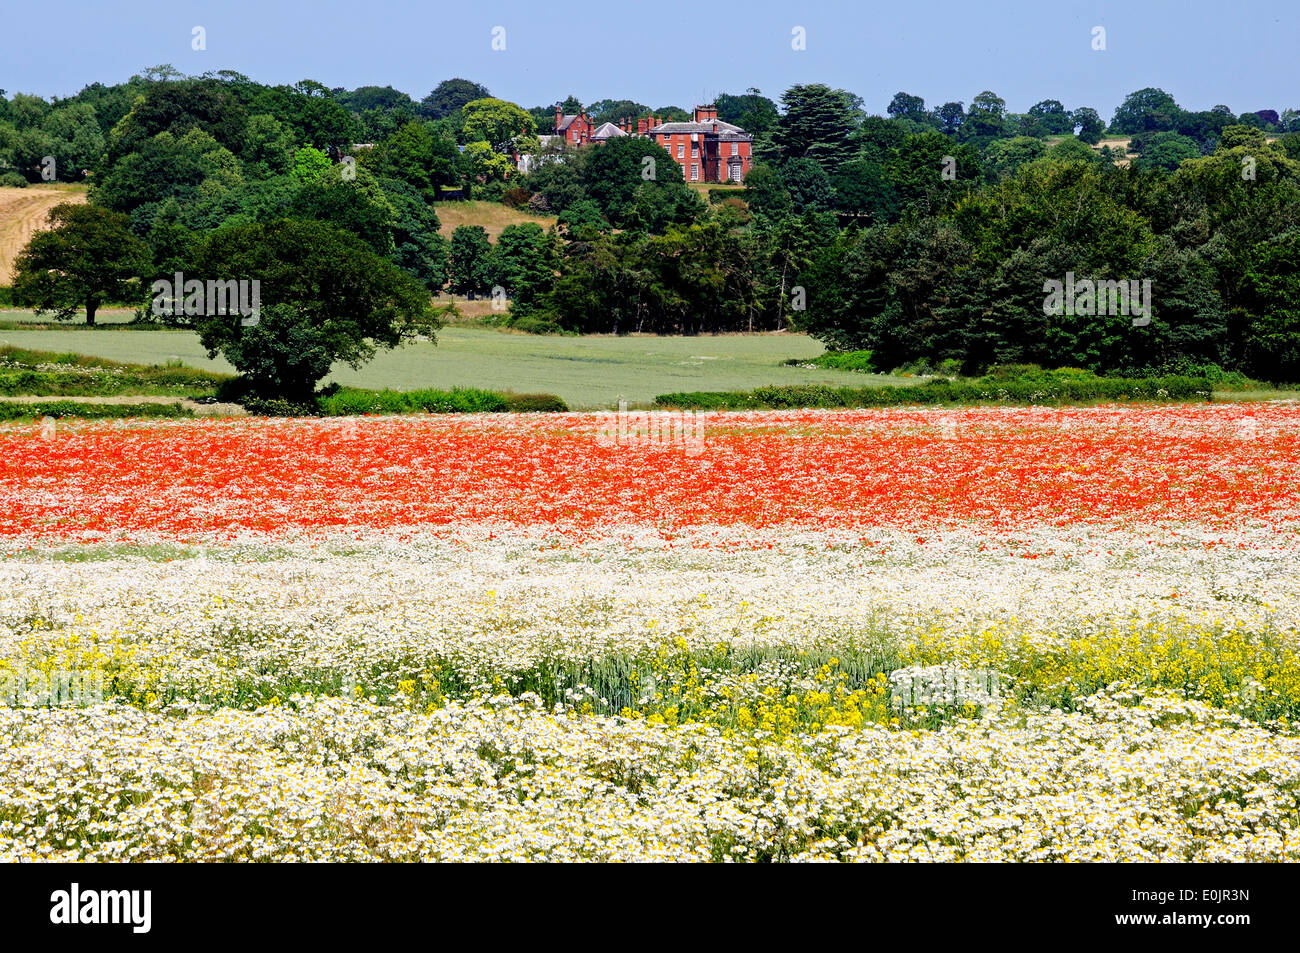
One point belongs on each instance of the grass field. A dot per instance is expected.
(587, 372)
(493, 216)
(22, 213)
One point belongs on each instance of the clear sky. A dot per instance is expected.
(671, 52)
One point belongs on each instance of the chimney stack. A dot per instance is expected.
(558, 117)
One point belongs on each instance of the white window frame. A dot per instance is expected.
(695, 172)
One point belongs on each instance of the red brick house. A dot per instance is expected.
(707, 149)
(576, 130)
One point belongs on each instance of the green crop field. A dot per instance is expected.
(587, 372)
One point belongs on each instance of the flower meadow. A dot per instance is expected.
(991, 633)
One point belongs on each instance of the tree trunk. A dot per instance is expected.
(91, 307)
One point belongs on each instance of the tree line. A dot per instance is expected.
(923, 235)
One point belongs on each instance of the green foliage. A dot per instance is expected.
(584, 214)
(310, 165)
(766, 194)
(1273, 294)
(986, 118)
(1004, 156)
(637, 185)
(414, 243)
(604, 110)
(325, 297)
(535, 403)
(279, 407)
(523, 263)
(560, 183)
(380, 110)
(915, 171)
(51, 373)
(1166, 150)
(418, 157)
(692, 279)
(450, 96)
(1290, 143)
(496, 122)
(348, 402)
(74, 139)
(1052, 118)
(470, 264)
(177, 108)
(862, 187)
(284, 353)
(719, 195)
(817, 124)
(1146, 110)
(751, 111)
(484, 163)
(1072, 149)
(857, 361)
(268, 149)
(907, 106)
(808, 184)
(1087, 125)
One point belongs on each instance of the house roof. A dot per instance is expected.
(607, 130)
(723, 130)
(566, 122)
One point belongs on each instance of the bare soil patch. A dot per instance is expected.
(23, 213)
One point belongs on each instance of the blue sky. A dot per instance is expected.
(666, 52)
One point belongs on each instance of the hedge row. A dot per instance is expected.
(1038, 389)
(717, 196)
(347, 402)
(74, 384)
(10, 410)
(859, 361)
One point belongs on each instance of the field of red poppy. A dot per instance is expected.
(918, 469)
